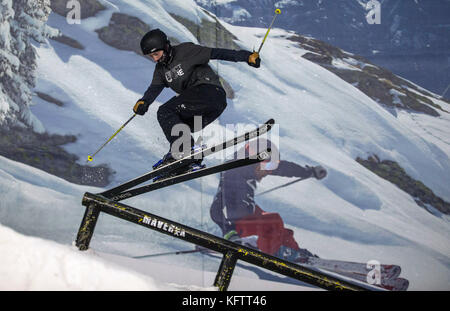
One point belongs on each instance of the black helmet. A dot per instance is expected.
(154, 40)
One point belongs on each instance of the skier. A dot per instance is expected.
(241, 220)
(184, 68)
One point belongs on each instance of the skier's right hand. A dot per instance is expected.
(140, 107)
(254, 60)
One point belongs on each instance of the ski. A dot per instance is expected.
(389, 277)
(191, 175)
(354, 270)
(392, 284)
(185, 160)
(176, 172)
(398, 284)
(339, 266)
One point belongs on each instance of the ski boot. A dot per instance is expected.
(191, 165)
(248, 241)
(300, 255)
(168, 158)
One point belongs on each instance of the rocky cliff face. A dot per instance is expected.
(209, 33)
(394, 173)
(389, 90)
(45, 152)
(124, 32)
(412, 38)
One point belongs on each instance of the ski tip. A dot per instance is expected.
(269, 124)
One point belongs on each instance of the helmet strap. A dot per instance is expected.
(167, 55)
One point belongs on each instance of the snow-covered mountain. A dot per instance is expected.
(412, 38)
(353, 214)
(405, 25)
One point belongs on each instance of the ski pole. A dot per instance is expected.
(170, 253)
(445, 91)
(282, 186)
(277, 12)
(197, 249)
(91, 157)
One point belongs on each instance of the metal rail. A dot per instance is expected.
(232, 252)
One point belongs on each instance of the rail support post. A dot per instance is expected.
(223, 277)
(87, 226)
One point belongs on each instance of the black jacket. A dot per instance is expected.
(189, 67)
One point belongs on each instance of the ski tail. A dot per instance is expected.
(397, 284)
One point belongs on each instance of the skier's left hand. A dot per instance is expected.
(254, 60)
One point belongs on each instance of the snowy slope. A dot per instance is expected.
(351, 215)
(38, 204)
(30, 263)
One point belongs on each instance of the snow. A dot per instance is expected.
(345, 64)
(351, 215)
(396, 95)
(29, 263)
(12, 59)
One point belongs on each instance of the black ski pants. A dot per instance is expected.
(205, 100)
